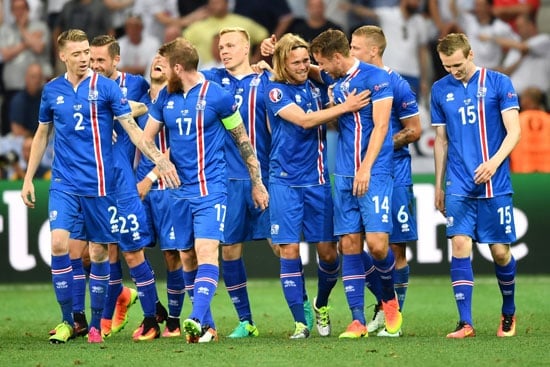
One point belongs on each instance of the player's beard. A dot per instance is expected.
(174, 84)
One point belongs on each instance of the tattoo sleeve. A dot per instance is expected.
(246, 150)
(402, 138)
(147, 147)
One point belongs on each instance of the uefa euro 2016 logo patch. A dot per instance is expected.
(275, 95)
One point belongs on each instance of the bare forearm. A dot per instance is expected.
(440, 161)
(404, 137)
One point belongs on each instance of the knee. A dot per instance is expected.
(98, 253)
(501, 255)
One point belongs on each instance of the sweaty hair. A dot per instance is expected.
(240, 30)
(453, 42)
(180, 51)
(284, 46)
(330, 42)
(106, 40)
(71, 35)
(374, 34)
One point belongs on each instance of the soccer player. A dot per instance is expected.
(475, 114)
(368, 44)
(244, 222)
(156, 200)
(133, 228)
(81, 106)
(363, 178)
(198, 114)
(300, 191)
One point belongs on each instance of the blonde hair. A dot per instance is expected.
(374, 34)
(453, 42)
(71, 35)
(284, 46)
(240, 30)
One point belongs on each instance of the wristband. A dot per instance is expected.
(152, 176)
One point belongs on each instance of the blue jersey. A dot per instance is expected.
(298, 156)
(472, 115)
(83, 120)
(145, 165)
(133, 88)
(197, 135)
(249, 94)
(404, 106)
(356, 127)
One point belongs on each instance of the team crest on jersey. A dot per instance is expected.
(124, 91)
(170, 105)
(316, 92)
(93, 95)
(226, 81)
(255, 82)
(275, 95)
(481, 92)
(344, 87)
(201, 105)
(59, 100)
(450, 97)
(298, 98)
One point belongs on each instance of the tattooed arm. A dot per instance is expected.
(410, 132)
(259, 192)
(145, 143)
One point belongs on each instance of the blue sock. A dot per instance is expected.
(401, 278)
(99, 283)
(189, 278)
(462, 278)
(507, 284)
(372, 279)
(353, 278)
(62, 280)
(327, 276)
(206, 283)
(385, 268)
(115, 288)
(209, 319)
(147, 291)
(79, 286)
(292, 282)
(234, 276)
(175, 290)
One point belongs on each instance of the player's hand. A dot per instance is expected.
(484, 172)
(267, 47)
(260, 196)
(440, 201)
(168, 173)
(355, 101)
(27, 194)
(143, 187)
(361, 181)
(260, 66)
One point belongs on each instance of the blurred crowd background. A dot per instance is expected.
(511, 36)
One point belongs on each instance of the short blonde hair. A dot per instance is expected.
(71, 35)
(240, 30)
(374, 34)
(453, 42)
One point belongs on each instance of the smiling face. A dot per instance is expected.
(158, 69)
(459, 66)
(101, 62)
(234, 50)
(297, 65)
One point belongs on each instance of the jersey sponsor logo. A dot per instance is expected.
(170, 105)
(275, 95)
(59, 100)
(511, 95)
(449, 97)
(379, 87)
(226, 81)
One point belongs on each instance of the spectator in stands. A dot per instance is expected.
(92, 16)
(532, 154)
(120, 10)
(528, 61)
(22, 43)
(53, 9)
(480, 27)
(274, 15)
(315, 22)
(136, 47)
(25, 104)
(201, 34)
(36, 10)
(157, 15)
(355, 21)
(508, 10)
(407, 37)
